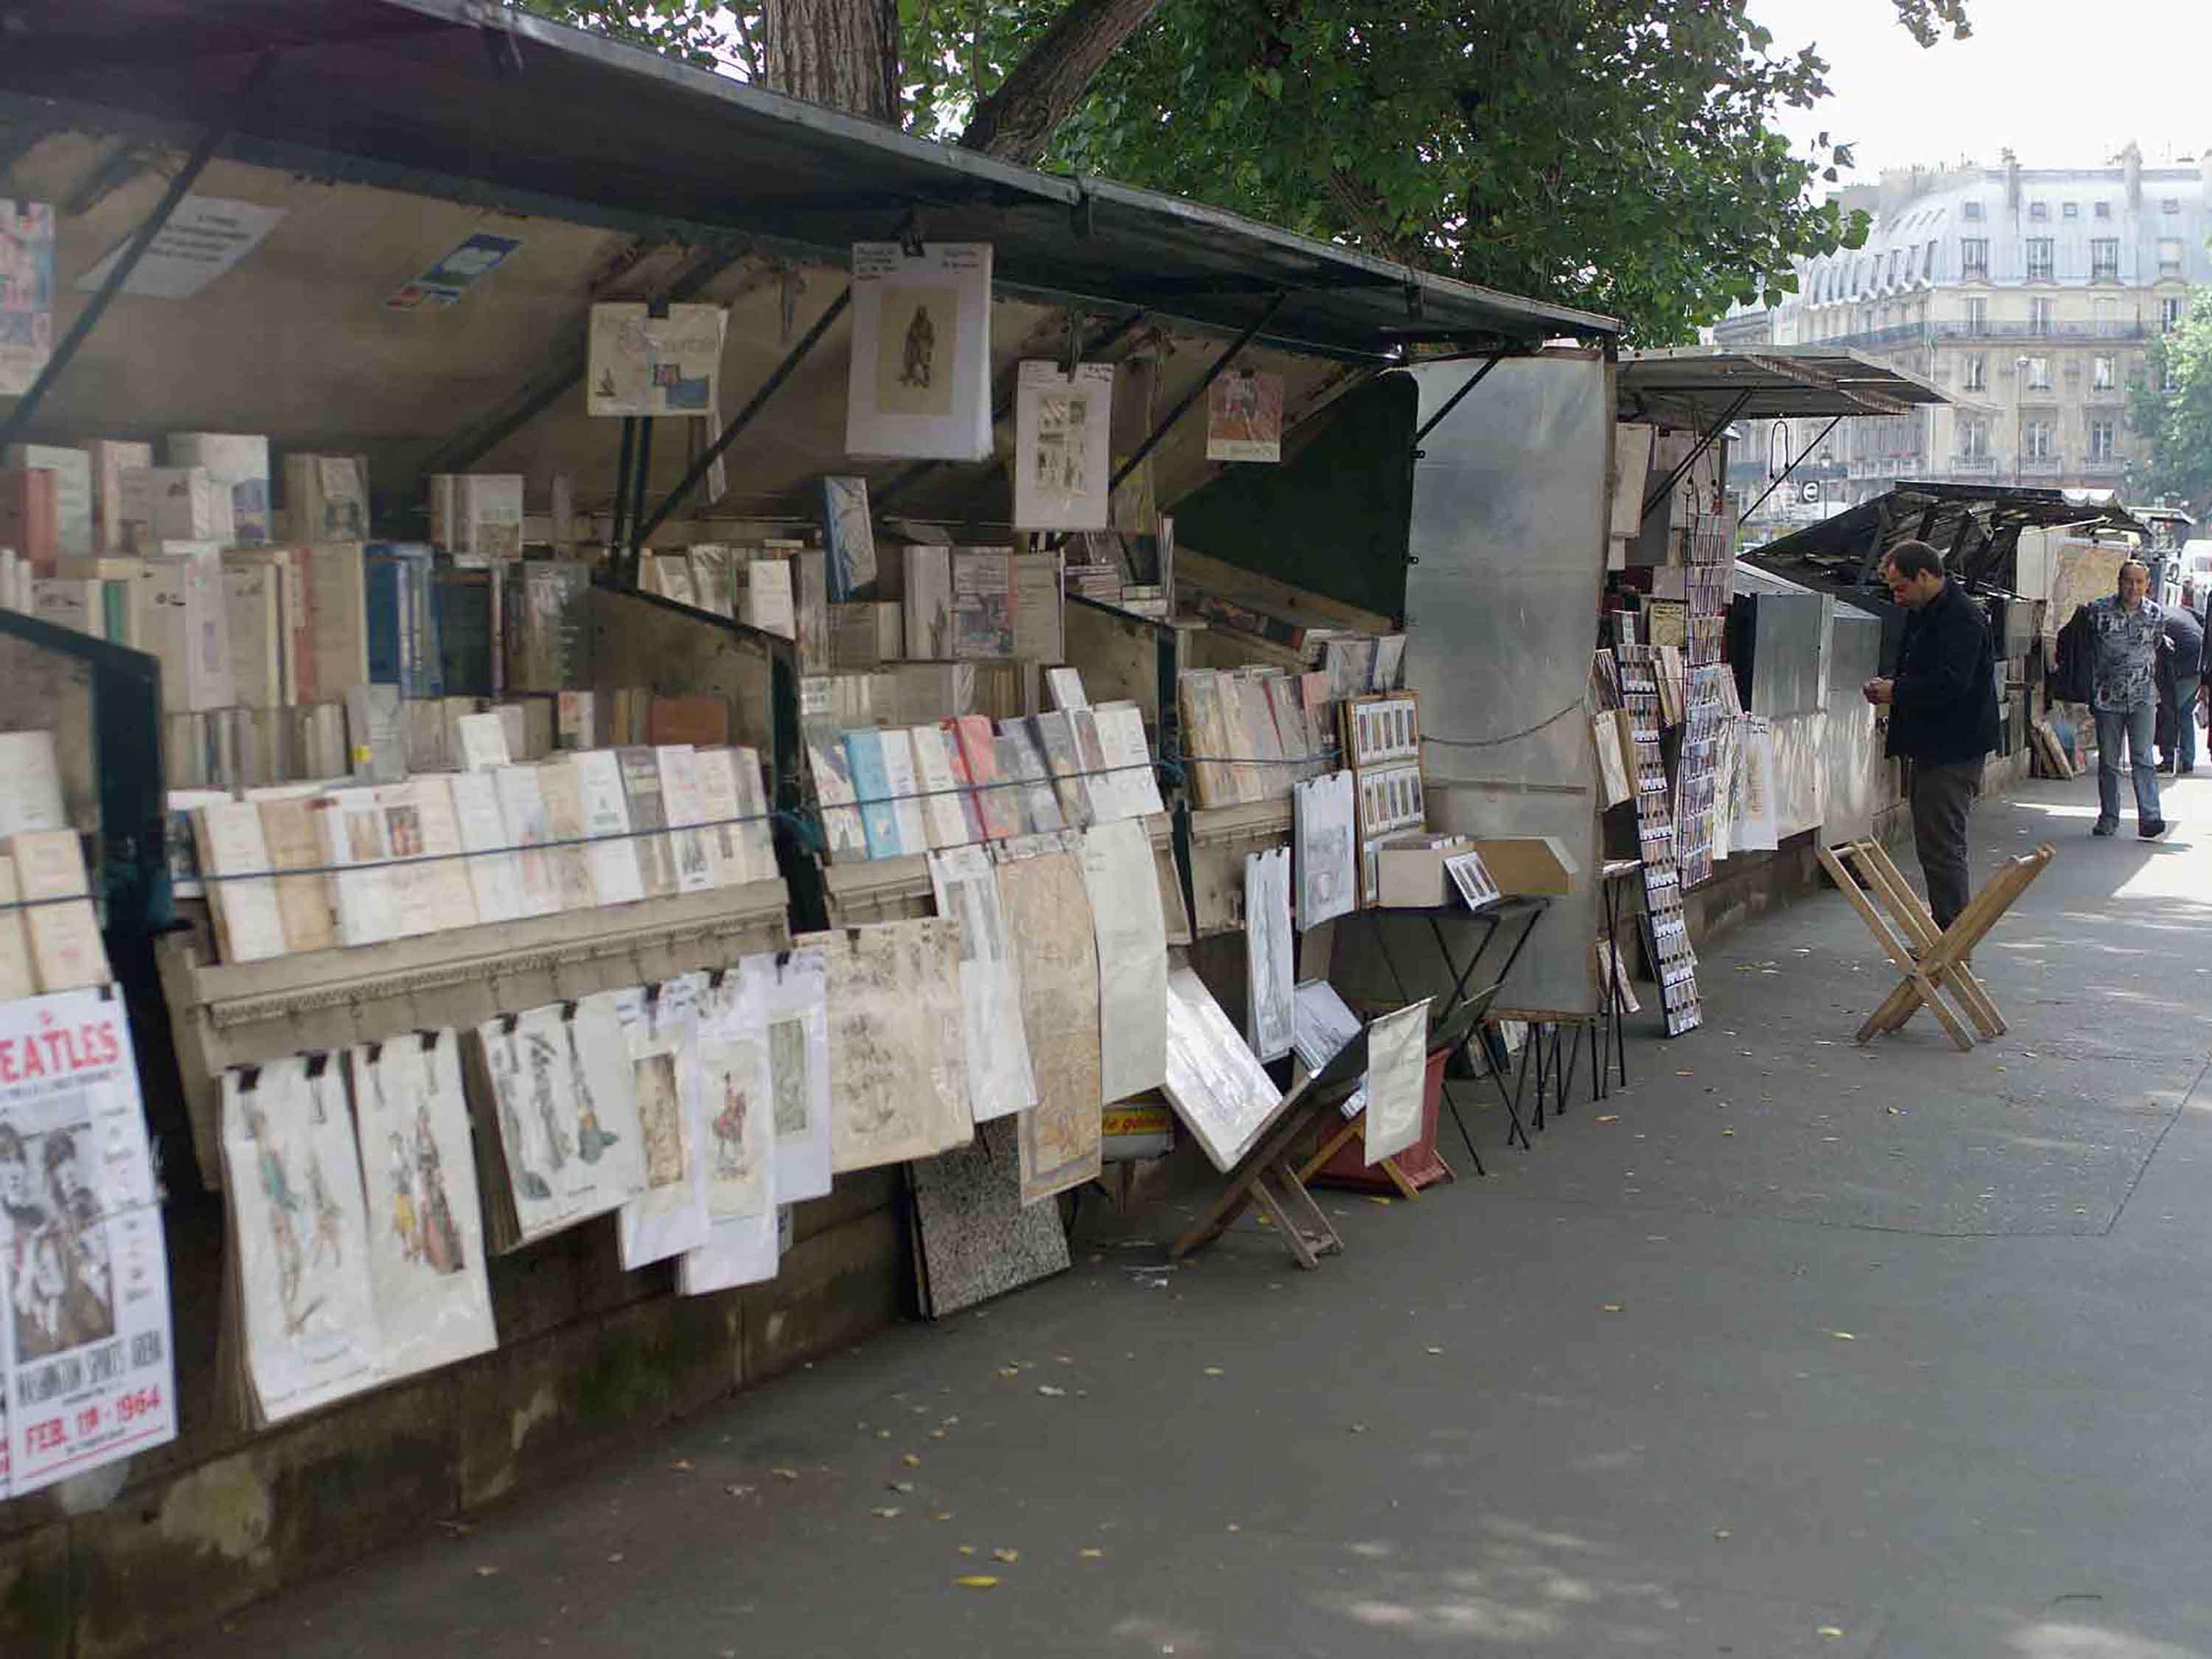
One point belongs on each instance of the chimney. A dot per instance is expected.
(2012, 182)
(2131, 169)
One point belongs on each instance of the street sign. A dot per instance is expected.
(1810, 492)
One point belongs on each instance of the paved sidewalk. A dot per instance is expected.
(1797, 1349)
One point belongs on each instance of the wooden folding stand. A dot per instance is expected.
(1933, 961)
(1267, 1176)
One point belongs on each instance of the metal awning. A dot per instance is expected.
(476, 102)
(1697, 387)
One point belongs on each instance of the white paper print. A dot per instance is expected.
(736, 1092)
(203, 238)
(1000, 1080)
(1326, 889)
(669, 1216)
(1216, 1083)
(566, 1113)
(919, 382)
(642, 364)
(1397, 1063)
(292, 1174)
(1268, 950)
(1124, 884)
(1244, 417)
(426, 1249)
(86, 1375)
(798, 1072)
(26, 294)
(1061, 465)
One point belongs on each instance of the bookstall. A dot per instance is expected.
(628, 772)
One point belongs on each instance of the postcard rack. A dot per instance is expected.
(242, 1014)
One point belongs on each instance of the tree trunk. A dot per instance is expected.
(1016, 121)
(844, 53)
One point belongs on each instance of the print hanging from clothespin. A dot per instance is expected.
(1244, 417)
(1062, 422)
(643, 364)
(920, 383)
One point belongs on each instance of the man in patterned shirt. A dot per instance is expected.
(2126, 630)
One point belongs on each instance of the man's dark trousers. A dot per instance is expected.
(1942, 796)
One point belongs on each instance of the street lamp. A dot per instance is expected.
(2019, 418)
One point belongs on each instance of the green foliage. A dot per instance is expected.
(1614, 154)
(2178, 423)
(709, 35)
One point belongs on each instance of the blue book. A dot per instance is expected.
(872, 785)
(401, 618)
(847, 538)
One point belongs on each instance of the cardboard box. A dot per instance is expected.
(1411, 877)
(1522, 865)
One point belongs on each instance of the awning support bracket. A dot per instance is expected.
(1213, 373)
(135, 250)
(1706, 440)
(1453, 402)
(713, 452)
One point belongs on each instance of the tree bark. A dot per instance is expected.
(844, 53)
(1017, 120)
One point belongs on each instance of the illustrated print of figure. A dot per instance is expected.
(327, 1242)
(921, 350)
(283, 1204)
(660, 1120)
(440, 1234)
(729, 1127)
(787, 1048)
(406, 1222)
(527, 1181)
(547, 1109)
(591, 1140)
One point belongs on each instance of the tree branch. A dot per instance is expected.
(1017, 120)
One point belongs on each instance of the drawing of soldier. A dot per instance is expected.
(921, 350)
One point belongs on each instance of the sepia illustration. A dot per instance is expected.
(1048, 916)
(916, 344)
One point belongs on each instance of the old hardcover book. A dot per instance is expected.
(351, 828)
(483, 743)
(982, 603)
(1022, 760)
(547, 625)
(190, 629)
(1098, 782)
(17, 981)
(80, 606)
(293, 569)
(700, 719)
(871, 778)
(718, 798)
(440, 883)
(236, 463)
(905, 790)
(338, 578)
(975, 760)
(562, 792)
(692, 846)
(111, 458)
(72, 470)
(29, 513)
(669, 575)
(66, 952)
(612, 856)
(172, 504)
(714, 586)
(769, 600)
(376, 734)
(256, 601)
(928, 601)
(1039, 633)
(1263, 769)
(235, 863)
(1205, 743)
(810, 600)
(304, 903)
(467, 602)
(649, 818)
(522, 810)
(1064, 761)
(948, 808)
(494, 870)
(847, 537)
(843, 833)
(327, 497)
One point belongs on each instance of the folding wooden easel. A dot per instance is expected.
(1267, 1176)
(1932, 960)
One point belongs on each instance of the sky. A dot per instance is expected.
(2064, 82)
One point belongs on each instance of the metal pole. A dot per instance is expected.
(621, 515)
(713, 453)
(1452, 402)
(637, 500)
(1212, 374)
(1793, 466)
(1705, 441)
(133, 251)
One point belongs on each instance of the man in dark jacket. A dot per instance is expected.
(2181, 671)
(1943, 715)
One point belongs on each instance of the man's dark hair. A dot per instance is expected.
(1915, 559)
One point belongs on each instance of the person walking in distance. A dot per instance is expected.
(2184, 660)
(1943, 715)
(2127, 631)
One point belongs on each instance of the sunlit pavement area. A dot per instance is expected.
(1792, 1347)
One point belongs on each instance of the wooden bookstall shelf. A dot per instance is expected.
(246, 1014)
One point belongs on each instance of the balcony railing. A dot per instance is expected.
(2110, 467)
(1905, 334)
(1973, 464)
(2041, 466)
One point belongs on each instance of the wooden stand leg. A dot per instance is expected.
(1889, 884)
(1917, 987)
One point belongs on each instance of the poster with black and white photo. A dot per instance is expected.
(86, 1343)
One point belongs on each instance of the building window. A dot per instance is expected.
(2170, 206)
(2039, 259)
(1974, 372)
(2040, 315)
(1927, 266)
(2037, 370)
(2040, 441)
(2104, 374)
(2039, 209)
(1974, 440)
(1977, 316)
(1896, 264)
(1974, 259)
(2104, 259)
(2170, 310)
(1971, 210)
(2102, 436)
(2072, 211)
(2103, 209)
(2169, 256)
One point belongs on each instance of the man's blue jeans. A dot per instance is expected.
(2183, 750)
(2135, 727)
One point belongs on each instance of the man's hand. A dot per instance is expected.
(1878, 692)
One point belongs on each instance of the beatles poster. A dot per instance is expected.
(85, 1337)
